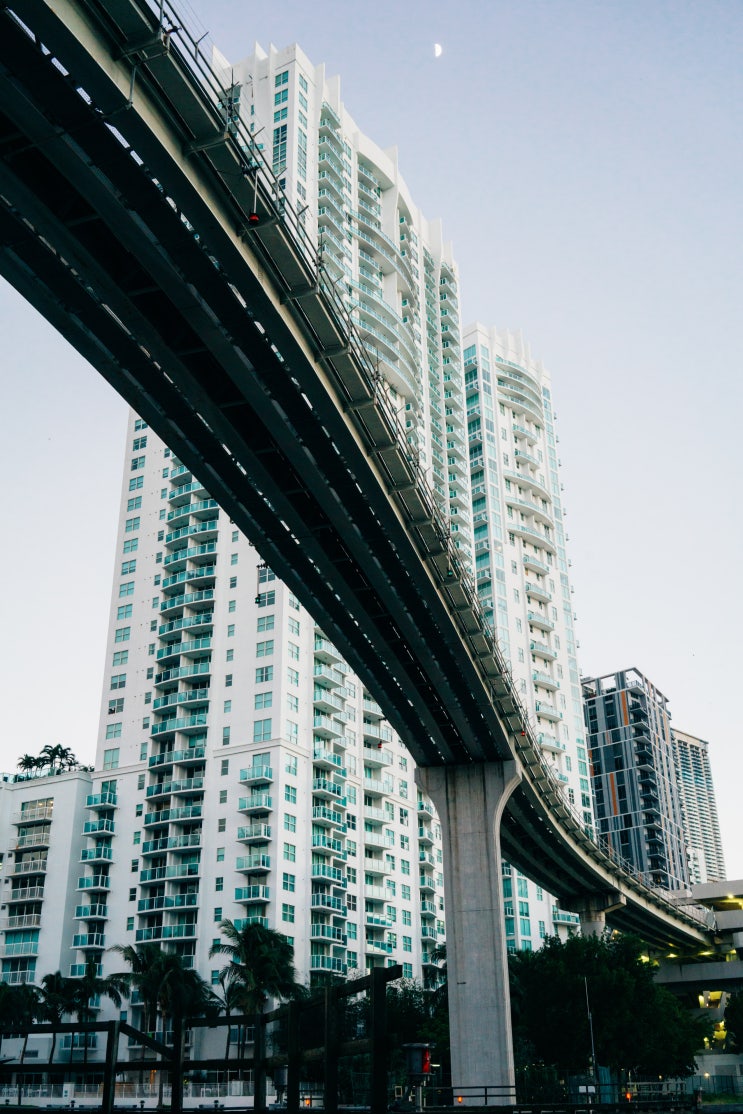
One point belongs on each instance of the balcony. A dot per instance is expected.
(327, 817)
(327, 759)
(94, 882)
(428, 933)
(30, 866)
(376, 866)
(254, 833)
(378, 787)
(186, 724)
(252, 895)
(99, 827)
(23, 948)
(188, 647)
(426, 810)
(27, 920)
(256, 804)
(177, 757)
(545, 680)
(253, 864)
(333, 874)
(534, 563)
(547, 711)
(326, 727)
(101, 801)
(85, 940)
(376, 756)
(376, 815)
(328, 932)
(376, 920)
(179, 901)
(328, 963)
(183, 786)
(37, 839)
(96, 855)
(33, 815)
(180, 672)
(542, 650)
(91, 912)
(537, 592)
(256, 775)
(322, 787)
(325, 844)
(329, 904)
(25, 893)
(427, 884)
(171, 843)
(375, 893)
(326, 652)
(425, 836)
(376, 733)
(326, 701)
(428, 910)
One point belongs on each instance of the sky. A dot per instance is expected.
(585, 158)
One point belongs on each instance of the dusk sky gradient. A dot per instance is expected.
(585, 158)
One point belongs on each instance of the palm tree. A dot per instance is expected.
(28, 762)
(57, 998)
(261, 963)
(92, 985)
(229, 1001)
(146, 972)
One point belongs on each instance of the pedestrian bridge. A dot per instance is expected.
(150, 233)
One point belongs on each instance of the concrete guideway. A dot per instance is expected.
(160, 246)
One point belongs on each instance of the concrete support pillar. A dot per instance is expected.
(470, 802)
(592, 910)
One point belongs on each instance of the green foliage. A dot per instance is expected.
(637, 1025)
(260, 964)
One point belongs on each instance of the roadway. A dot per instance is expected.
(153, 240)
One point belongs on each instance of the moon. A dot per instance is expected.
(438, 50)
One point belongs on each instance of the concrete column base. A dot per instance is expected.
(470, 801)
(592, 910)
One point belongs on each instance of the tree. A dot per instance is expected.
(228, 1002)
(261, 963)
(92, 985)
(57, 757)
(28, 763)
(56, 998)
(637, 1025)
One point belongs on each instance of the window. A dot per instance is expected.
(265, 623)
(233, 582)
(130, 545)
(136, 482)
(225, 767)
(292, 702)
(137, 463)
(293, 626)
(223, 796)
(125, 611)
(131, 524)
(230, 655)
(290, 822)
(232, 606)
(118, 681)
(263, 674)
(143, 753)
(291, 765)
(139, 443)
(407, 917)
(290, 852)
(281, 78)
(126, 588)
(231, 631)
(111, 757)
(287, 913)
(219, 884)
(116, 706)
(225, 736)
(227, 706)
(292, 676)
(132, 895)
(292, 729)
(233, 558)
(220, 854)
(134, 504)
(217, 916)
(293, 651)
(290, 794)
(288, 882)
(407, 944)
(128, 567)
(263, 699)
(113, 731)
(134, 866)
(264, 649)
(228, 680)
(266, 599)
(261, 730)
(405, 892)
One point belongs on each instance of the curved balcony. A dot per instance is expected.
(537, 592)
(196, 601)
(328, 845)
(547, 711)
(539, 620)
(328, 817)
(535, 564)
(329, 904)
(182, 786)
(201, 669)
(545, 680)
(542, 650)
(186, 725)
(328, 932)
(321, 872)
(195, 624)
(325, 789)
(177, 757)
(169, 815)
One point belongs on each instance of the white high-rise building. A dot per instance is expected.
(701, 826)
(523, 581)
(242, 770)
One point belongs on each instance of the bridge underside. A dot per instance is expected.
(138, 249)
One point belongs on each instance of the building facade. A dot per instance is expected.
(698, 808)
(42, 837)
(523, 577)
(638, 808)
